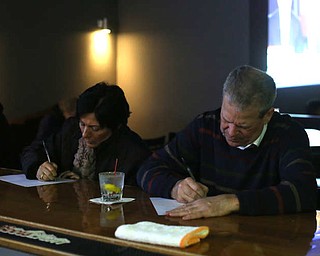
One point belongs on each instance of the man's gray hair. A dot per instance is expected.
(247, 86)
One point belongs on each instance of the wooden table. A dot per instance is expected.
(65, 210)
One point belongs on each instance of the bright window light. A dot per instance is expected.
(293, 55)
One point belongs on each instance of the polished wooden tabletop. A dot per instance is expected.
(66, 209)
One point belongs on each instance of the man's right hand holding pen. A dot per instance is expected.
(197, 204)
(188, 190)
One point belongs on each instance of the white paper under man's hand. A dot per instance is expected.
(162, 205)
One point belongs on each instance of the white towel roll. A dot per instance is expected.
(155, 233)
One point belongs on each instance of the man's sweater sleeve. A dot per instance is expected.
(155, 177)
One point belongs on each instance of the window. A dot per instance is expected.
(293, 50)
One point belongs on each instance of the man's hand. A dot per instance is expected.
(213, 206)
(188, 190)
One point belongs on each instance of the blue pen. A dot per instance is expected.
(187, 168)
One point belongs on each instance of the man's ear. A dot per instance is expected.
(268, 115)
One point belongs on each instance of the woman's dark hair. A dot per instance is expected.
(107, 102)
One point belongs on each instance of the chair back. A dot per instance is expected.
(155, 143)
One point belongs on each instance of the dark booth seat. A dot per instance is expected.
(155, 143)
(307, 121)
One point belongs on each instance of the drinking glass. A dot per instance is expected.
(111, 186)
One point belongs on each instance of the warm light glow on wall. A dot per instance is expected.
(99, 44)
(100, 48)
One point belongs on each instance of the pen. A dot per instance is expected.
(48, 157)
(45, 149)
(187, 168)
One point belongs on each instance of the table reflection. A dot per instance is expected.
(260, 235)
(84, 192)
(48, 194)
(315, 243)
(111, 215)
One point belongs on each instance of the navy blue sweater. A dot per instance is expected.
(276, 177)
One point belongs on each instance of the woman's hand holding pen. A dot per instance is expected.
(188, 190)
(47, 171)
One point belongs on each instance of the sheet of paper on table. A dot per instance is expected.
(162, 205)
(21, 180)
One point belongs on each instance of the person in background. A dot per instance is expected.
(313, 107)
(53, 121)
(245, 157)
(91, 142)
(5, 140)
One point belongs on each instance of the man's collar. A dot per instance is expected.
(258, 140)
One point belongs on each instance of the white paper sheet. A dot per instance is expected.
(162, 205)
(21, 180)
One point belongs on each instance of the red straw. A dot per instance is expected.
(115, 166)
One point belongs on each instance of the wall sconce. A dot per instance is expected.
(103, 24)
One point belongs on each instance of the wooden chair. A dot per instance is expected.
(155, 143)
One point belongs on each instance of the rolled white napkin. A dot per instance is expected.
(155, 233)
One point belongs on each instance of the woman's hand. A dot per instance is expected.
(48, 193)
(47, 171)
(69, 175)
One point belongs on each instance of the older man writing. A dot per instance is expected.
(245, 157)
